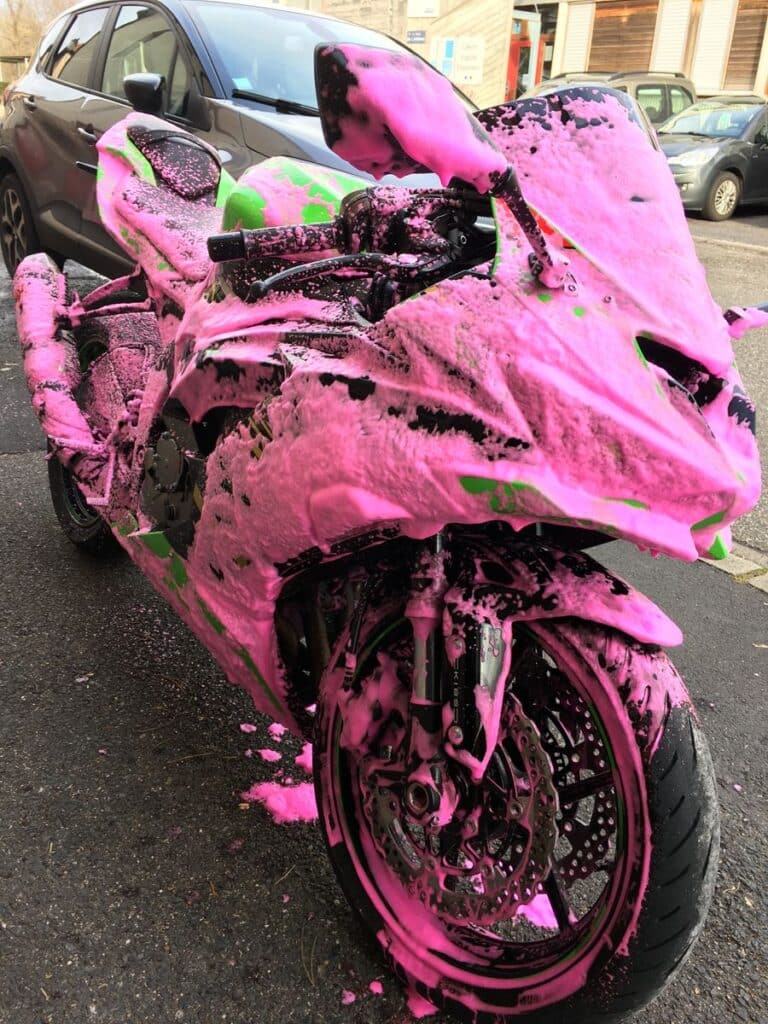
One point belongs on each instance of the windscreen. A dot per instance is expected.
(273, 52)
(716, 120)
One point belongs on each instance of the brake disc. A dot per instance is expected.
(493, 855)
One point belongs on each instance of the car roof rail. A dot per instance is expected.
(630, 74)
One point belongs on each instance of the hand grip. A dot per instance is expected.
(275, 243)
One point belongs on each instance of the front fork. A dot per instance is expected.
(457, 692)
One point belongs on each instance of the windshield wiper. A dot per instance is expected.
(697, 135)
(281, 106)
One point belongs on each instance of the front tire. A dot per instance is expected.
(723, 197)
(658, 809)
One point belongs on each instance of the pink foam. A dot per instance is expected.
(276, 731)
(304, 760)
(539, 912)
(376, 988)
(247, 727)
(419, 1006)
(286, 804)
(347, 997)
(269, 755)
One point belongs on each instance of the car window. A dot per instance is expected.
(679, 98)
(76, 51)
(716, 120)
(143, 41)
(45, 49)
(651, 99)
(272, 52)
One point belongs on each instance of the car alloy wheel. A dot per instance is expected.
(726, 197)
(14, 231)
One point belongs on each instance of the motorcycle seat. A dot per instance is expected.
(181, 162)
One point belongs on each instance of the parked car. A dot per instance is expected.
(659, 94)
(718, 153)
(238, 74)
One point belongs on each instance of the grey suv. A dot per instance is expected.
(238, 74)
(659, 94)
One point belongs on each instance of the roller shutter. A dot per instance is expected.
(622, 35)
(747, 41)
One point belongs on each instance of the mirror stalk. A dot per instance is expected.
(550, 270)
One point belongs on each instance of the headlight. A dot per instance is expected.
(694, 157)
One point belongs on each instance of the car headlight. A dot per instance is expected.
(694, 157)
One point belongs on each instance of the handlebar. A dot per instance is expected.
(265, 243)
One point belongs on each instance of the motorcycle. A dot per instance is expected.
(361, 436)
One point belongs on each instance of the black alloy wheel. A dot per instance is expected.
(18, 236)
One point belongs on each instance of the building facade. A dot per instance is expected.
(496, 49)
(721, 45)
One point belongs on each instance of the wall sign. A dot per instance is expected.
(423, 8)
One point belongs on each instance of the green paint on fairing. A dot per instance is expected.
(157, 543)
(177, 577)
(497, 226)
(640, 353)
(712, 520)
(226, 184)
(646, 364)
(128, 525)
(632, 502)
(719, 549)
(253, 669)
(321, 183)
(502, 501)
(314, 213)
(213, 621)
(244, 207)
(133, 156)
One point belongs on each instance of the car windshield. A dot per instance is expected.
(716, 120)
(271, 53)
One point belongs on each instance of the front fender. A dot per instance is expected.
(527, 581)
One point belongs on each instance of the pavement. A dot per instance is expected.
(135, 888)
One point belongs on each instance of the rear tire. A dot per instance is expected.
(666, 842)
(82, 525)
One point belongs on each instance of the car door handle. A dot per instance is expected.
(87, 133)
(29, 103)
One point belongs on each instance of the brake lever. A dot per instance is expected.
(356, 261)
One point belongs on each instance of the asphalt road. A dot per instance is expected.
(133, 888)
(747, 226)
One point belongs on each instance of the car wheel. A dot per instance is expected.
(723, 197)
(18, 236)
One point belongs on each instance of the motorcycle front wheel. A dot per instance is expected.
(555, 911)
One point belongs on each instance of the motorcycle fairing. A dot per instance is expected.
(281, 190)
(586, 165)
(466, 414)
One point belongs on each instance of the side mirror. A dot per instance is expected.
(145, 92)
(388, 112)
